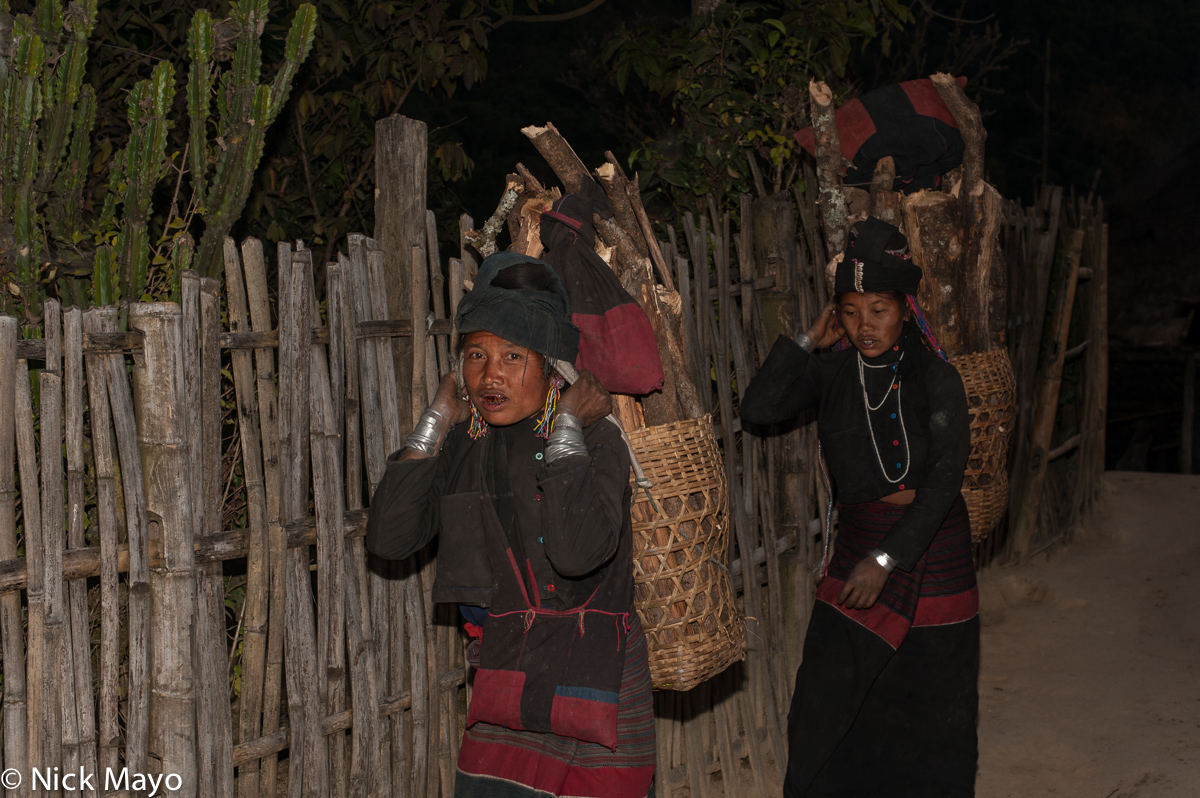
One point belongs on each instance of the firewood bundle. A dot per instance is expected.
(953, 236)
(682, 589)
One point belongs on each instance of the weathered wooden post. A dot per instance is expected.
(1047, 403)
(16, 741)
(401, 153)
(787, 309)
(163, 442)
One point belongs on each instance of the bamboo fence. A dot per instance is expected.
(338, 676)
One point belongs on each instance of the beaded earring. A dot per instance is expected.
(545, 423)
(478, 427)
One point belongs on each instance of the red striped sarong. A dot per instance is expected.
(939, 590)
(497, 762)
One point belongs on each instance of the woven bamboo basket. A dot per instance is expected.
(682, 590)
(991, 402)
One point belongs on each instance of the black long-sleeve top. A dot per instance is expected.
(565, 518)
(936, 428)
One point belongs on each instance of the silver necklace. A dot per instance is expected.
(862, 381)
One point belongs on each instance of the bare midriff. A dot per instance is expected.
(900, 497)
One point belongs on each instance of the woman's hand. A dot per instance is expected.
(863, 587)
(449, 402)
(586, 399)
(825, 332)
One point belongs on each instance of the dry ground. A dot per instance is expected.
(1090, 677)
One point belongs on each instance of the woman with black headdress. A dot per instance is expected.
(886, 696)
(527, 485)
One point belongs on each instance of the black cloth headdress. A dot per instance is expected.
(537, 320)
(876, 260)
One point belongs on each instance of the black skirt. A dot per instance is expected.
(886, 699)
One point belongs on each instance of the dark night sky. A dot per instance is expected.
(1124, 94)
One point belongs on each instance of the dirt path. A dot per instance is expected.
(1090, 677)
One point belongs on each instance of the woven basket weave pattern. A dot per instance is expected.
(991, 402)
(682, 589)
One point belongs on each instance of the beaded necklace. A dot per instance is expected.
(862, 380)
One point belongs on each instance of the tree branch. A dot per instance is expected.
(579, 12)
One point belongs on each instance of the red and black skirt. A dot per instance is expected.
(886, 698)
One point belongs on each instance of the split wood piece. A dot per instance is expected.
(210, 668)
(687, 323)
(885, 202)
(525, 219)
(697, 241)
(1036, 233)
(830, 165)
(1047, 404)
(697, 702)
(437, 288)
(571, 171)
(386, 590)
(338, 673)
(12, 645)
(808, 204)
(359, 298)
(137, 712)
(329, 507)
(458, 272)
(254, 268)
(162, 434)
(401, 158)
(106, 517)
(366, 777)
(334, 307)
(617, 187)
(484, 240)
(31, 514)
(679, 398)
(379, 411)
(308, 766)
(970, 125)
(60, 726)
(254, 624)
(467, 253)
(78, 699)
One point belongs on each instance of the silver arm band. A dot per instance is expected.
(428, 433)
(884, 559)
(804, 342)
(567, 438)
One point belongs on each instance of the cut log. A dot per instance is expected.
(829, 167)
(885, 203)
(970, 125)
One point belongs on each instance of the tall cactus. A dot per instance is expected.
(46, 124)
(245, 110)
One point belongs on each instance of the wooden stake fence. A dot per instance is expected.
(349, 680)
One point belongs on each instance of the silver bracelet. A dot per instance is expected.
(804, 342)
(567, 438)
(885, 560)
(426, 435)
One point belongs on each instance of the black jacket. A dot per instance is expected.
(568, 516)
(936, 428)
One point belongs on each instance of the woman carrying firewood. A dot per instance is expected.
(886, 697)
(527, 485)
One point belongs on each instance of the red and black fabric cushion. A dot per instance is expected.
(616, 341)
(907, 121)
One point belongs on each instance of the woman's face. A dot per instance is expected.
(504, 380)
(873, 322)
